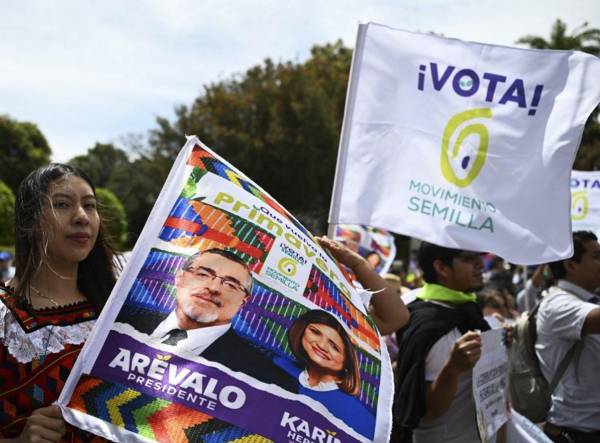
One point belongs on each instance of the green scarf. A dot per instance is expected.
(435, 292)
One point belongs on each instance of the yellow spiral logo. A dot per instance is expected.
(580, 205)
(287, 266)
(470, 162)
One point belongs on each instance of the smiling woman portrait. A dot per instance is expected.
(64, 275)
(327, 368)
(320, 342)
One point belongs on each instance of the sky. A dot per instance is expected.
(88, 72)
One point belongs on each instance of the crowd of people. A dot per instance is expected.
(453, 296)
(64, 270)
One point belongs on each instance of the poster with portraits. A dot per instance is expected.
(230, 323)
(376, 245)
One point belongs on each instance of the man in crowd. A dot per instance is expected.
(569, 314)
(438, 348)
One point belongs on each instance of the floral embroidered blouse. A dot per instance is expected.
(38, 349)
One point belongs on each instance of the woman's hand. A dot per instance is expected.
(45, 425)
(341, 252)
(387, 308)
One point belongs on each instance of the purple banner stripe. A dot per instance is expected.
(126, 361)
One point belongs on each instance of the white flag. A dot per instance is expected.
(463, 144)
(585, 201)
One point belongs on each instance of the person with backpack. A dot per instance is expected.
(570, 314)
(438, 349)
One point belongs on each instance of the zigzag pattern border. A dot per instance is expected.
(152, 418)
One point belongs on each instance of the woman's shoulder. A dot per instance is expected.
(26, 336)
(12, 333)
(32, 319)
(11, 309)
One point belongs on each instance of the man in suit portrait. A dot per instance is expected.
(211, 287)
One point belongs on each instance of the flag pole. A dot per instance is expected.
(342, 158)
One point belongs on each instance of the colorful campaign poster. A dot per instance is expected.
(585, 201)
(217, 250)
(463, 144)
(376, 245)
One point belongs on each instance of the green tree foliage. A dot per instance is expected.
(584, 39)
(138, 186)
(278, 122)
(23, 148)
(113, 215)
(7, 215)
(100, 162)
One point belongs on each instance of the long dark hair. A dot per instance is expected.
(96, 274)
(350, 373)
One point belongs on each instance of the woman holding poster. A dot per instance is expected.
(152, 382)
(64, 274)
(327, 367)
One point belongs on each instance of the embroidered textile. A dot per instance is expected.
(37, 351)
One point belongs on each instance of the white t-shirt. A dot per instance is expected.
(459, 423)
(575, 402)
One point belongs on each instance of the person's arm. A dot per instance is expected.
(387, 308)
(440, 393)
(45, 425)
(591, 325)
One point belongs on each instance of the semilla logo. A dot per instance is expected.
(471, 162)
(579, 205)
